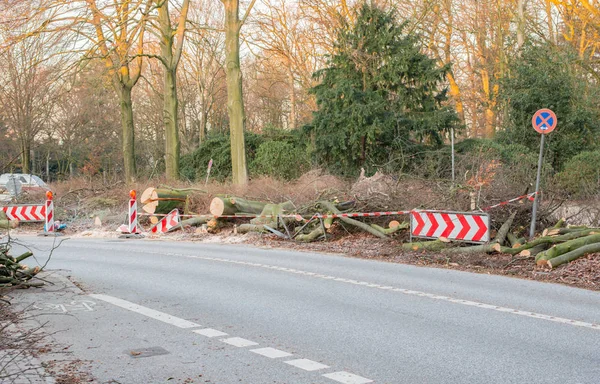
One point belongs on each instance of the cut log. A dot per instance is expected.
(504, 229)
(560, 223)
(560, 249)
(9, 224)
(512, 239)
(394, 229)
(222, 206)
(434, 245)
(531, 252)
(195, 221)
(331, 207)
(482, 248)
(312, 236)
(164, 200)
(547, 240)
(573, 255)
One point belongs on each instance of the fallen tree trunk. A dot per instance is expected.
(434, 245)
(573, 255)
(391, 229)
(504, 229)
(531, 252)
(164, 200)
(311, 236)
(365, 227)
(195, 221)
(9, 224)
(482, 248)
(547, 240)
(222, 206)
(566, 247)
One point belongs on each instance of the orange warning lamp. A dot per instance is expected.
(132, 194)
(49, 195)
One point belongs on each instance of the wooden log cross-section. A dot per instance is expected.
(164, 200)
(223, 206)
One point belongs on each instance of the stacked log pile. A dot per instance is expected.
(13, 272)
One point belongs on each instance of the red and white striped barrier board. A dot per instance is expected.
(167, 222)
(49, 222)
(133, 220)
(471, 227)
(26, 213)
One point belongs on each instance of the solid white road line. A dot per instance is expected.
(347, 378)
(307, 365)
(239, 342)
(161, 316)
(271, 353)
(534, 315)
(209, 332)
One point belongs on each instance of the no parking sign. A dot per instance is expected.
(544, 121)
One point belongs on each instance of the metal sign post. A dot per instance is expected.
(544, 121)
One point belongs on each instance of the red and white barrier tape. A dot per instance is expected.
(530, 196)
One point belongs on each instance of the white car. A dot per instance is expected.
(19, 181)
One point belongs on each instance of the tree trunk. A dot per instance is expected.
(332, 208)
(292, 98)
(128, 132)
(164, 200)
(171, 105)
(566, 247)
(573, 255)
(220, 206)
(26, 155)
(235, 97)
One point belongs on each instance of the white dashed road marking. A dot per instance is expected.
(165, 318)
(239, 342)
(271, 353)
(347, 378)
(307, 365)
(209, 332)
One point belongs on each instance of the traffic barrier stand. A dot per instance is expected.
(167, 223)
(50, 225)
(132, 230)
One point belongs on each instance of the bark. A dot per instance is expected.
(331, 207)
(9, 224)
(235, 99)
(26, 155)
(566, 247)
(504, 229)
(312, 236)
(127, 125)
(196, 221)
(164, 200)
(220, 206)
(483, 248)
(389, 231)
(546, 240)
(435, 245)
(512, 239)
(533, 251)
(171, 50)
(170, 113)
(573, 255)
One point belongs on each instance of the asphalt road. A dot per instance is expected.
(165, 312)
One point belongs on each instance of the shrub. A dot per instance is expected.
(217, 147)
(581, 176)
(280, 159)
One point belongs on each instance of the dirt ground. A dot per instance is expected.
(581, 273)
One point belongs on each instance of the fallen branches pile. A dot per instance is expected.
(13, 273)
(556, 246)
